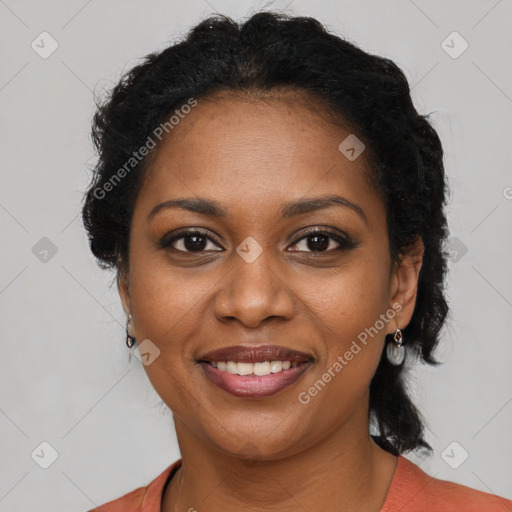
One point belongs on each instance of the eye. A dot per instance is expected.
(322, 240)
(191, 240)
(316, 241)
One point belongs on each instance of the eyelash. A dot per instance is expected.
(345, 243)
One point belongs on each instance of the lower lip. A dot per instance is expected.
(254, 386)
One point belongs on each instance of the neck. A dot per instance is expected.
(343, 471)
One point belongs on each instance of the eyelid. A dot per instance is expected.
(166, 241)
(323, 230)
(342, 239)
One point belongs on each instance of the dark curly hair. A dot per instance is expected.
(270, 52)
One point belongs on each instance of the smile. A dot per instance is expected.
(254, 380)
(263, 368)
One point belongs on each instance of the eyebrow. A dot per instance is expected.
(213, 208)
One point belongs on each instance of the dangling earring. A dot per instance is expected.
(130, 340)
(395, 350)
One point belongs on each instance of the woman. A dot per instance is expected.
(273, 205)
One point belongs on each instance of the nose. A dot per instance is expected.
(253, 292)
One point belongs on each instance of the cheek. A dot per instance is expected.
(351, 314)
(351, 299)
(164, 299)
(166, 311)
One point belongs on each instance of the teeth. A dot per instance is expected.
(245, 368)
(261, 368)
(264, 368)
(231, 367)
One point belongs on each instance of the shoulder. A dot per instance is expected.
(413, 490)
(143, 499)
(129, 502)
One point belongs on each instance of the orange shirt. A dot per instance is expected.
(411, 490)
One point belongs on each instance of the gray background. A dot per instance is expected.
(66, 378)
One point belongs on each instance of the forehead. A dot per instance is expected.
(241, 148)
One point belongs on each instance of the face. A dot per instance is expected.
(307, 278)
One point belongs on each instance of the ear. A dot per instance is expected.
(123, 287)
(404, 282)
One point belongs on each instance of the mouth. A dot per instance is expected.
(254, 372)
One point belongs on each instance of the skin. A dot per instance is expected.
(274, 453)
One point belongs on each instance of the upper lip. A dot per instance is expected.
(255, 354)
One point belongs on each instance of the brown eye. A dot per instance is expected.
(192, 241)
(323, 241)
